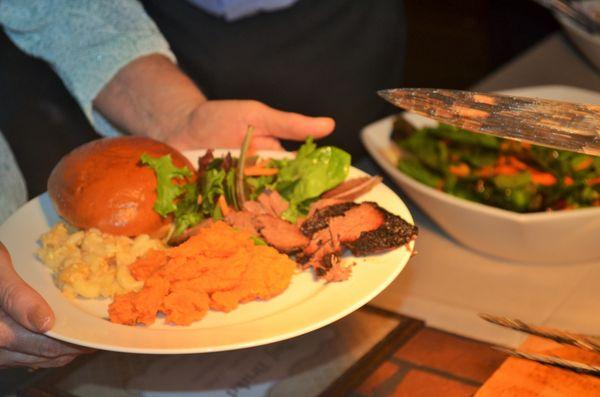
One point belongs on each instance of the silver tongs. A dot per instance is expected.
(557, 124)
(587, 342)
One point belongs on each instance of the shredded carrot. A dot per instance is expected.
(583, 164)
(460, 169)
(505, 170)
(216, 269)
(258, 170)
(593, 181)
(515, 162)
(542, 178)
(485, 171)
(225, 210)
(568, 181)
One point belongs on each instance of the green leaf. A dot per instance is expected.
(311, 173)
(167, 191)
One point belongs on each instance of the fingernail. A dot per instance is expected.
(39, 319)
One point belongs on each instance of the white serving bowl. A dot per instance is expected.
(588, 44)
(560, 237)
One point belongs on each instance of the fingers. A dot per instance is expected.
(265, 143)
(10, 359)
(15, 338)
(19, 300)
(293, 126)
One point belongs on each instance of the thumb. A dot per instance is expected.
(294, 126)
(19, 300)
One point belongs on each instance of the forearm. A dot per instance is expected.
(150, 96)
(85, 41)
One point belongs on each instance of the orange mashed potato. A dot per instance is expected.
(216, 269)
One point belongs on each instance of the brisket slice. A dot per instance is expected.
(242, 220)
(278, 233)
(282, 235)
(393, 233)
(352, 188)
(364, 228)
(319, 220)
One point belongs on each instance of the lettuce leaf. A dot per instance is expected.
(310, 174)
(167, 191)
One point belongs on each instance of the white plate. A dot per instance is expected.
(543, 237)
(305, 306)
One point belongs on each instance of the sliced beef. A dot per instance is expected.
(351, 224)
(322, 203)
(364, 228)
(282, 235)
(254, 207)
(243, 220)
(352, 188)
(278, 203)
(320, 218)
(393, 233)
(272, 202)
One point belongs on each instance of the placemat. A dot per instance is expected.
(328, 361)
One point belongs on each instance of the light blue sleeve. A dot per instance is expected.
(13, 192)
(85, 41)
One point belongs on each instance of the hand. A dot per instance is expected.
(24, 316)
(223, 124)
(150, 96)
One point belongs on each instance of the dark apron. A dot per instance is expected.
(319, 57)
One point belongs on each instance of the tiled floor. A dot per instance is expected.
(433, 363)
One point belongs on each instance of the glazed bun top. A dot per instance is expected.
(103, 185)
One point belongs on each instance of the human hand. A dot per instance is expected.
(24, 317)
(223, 124)
(150, 96)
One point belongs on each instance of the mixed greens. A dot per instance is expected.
(502, 173)
(300, 181)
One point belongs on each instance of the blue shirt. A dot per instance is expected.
(232, 10)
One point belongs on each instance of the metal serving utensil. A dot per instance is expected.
(575, 366)
(571, 12)
(582, 341)
(557, 124)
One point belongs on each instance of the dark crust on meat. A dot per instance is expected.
(394, 233)
(320, 219)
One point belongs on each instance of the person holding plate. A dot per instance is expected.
(24, 315)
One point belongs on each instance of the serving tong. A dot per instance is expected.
(587, 342)
(571, 12)
(557, 124)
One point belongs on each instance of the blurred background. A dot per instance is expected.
(450, 44)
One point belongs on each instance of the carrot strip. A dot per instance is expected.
(518, 164)
(460, 169)
(257, 170)
(505, 170)
(225, 210)
(593, 181)
(485, 171)
(583, 164)
(543, 178)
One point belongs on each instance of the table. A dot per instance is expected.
(372, 352)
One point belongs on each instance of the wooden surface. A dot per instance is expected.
(518, 377)
(433, 363)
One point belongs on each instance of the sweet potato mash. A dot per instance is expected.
(216, 269)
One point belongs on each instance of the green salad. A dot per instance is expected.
(506, 174)
(223, 183)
